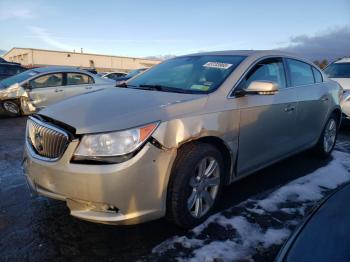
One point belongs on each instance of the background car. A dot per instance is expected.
(340, 71)
(112, 75)
(34, 89)
(129, 75)
(324, 235)
(167, 143)
(8, 69)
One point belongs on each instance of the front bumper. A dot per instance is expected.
(127, 193)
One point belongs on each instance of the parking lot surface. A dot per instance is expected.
(249, 225)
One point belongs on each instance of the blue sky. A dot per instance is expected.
(154, 27)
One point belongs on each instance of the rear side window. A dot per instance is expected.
(50, 80)
(267, 70)
(317, 75)
(78, 79)
(300, 73)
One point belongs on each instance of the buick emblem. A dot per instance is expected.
(38, 140)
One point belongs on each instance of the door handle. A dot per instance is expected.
(289, 109)
(58, 90)
(88, 87)
(324, 99)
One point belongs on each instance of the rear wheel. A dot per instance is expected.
(195, 184)
(12, 107)
(328, 138)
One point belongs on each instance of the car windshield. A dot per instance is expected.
(17, 78)
(189, 74)
(338, 70)
(135, 72)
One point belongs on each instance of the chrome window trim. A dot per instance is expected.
(230, 94)
(30, 147)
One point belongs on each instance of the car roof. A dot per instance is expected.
(48, 69)
(343, 60)
(251, 53)
(10, 64)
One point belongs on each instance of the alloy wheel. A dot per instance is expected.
(11, 107)
(204, 185)
(330, 135)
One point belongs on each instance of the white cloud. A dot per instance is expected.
(330, 44)
(46, 37)
(16, 13)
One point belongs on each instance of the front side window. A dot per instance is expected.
(190, 74)
(78, 79)
(49, 80)
(300, 73)
(338, 70)
(267, 70)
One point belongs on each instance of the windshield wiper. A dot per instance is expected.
(162, 88)
(125, 85)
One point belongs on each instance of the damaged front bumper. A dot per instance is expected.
(126, 193)
(19, 94)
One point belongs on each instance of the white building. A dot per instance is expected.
(30, 57)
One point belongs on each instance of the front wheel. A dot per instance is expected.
(195, 184)
(12, 107)
(328, 138)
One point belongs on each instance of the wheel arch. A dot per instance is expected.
(337, 112)
(224, 149)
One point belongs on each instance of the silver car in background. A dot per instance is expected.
(339, 71)
(34, 89)
(166, 143)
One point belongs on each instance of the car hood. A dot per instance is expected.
(122, 108)
(344, 82)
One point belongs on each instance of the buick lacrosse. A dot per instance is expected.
(166, 142)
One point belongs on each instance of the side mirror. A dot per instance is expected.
(27, 86)
(262, 88)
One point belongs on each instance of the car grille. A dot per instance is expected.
(46, 141)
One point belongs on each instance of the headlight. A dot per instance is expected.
(346, 96)
(111, 146)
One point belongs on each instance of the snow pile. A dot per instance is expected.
(255, 225)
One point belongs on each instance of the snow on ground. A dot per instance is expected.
(254, 227)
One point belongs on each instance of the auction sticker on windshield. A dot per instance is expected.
(217, 65)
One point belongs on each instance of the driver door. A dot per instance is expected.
(46, 89)
(267, 122)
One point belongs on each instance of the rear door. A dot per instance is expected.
(313, 100)
(46, 89)
(267, 122)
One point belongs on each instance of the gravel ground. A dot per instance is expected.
(40, 229)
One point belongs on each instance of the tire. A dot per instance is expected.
(11, 107)
(197, 173)
(326, 143)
